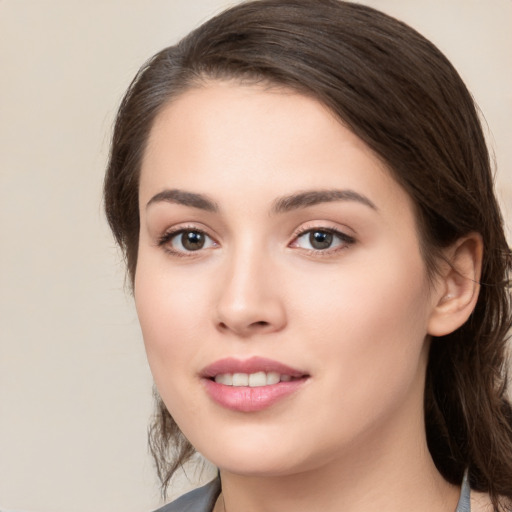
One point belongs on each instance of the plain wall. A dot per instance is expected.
(75, 389)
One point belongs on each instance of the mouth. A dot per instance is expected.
(253, 380)
(251, 385)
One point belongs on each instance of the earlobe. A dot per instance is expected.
(456, 292)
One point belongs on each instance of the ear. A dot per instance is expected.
(457, 287)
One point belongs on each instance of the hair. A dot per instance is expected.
(397, 92)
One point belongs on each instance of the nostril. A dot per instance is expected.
(260, 324)
(223, 326)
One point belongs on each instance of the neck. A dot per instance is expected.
(399, 487)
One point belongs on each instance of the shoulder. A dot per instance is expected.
(198, 500)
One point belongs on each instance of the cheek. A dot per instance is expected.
(371, 321)
(168, 314)
(387, 295)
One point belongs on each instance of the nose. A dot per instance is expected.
(249, 300)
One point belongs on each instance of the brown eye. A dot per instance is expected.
(192, 240)
(183, 241)
(320, 239)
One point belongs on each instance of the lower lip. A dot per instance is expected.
(247, 399)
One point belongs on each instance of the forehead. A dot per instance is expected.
(224, 120)
(226, 114)
(225, 136)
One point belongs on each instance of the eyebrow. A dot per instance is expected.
(313, 197)
(192, 199)
(281, 205)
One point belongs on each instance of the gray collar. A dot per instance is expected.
(464, 504)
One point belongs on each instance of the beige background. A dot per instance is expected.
(75, 390)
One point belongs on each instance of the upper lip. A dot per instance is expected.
(252, 365)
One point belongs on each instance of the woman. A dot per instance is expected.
(304, 197)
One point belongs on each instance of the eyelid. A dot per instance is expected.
(346, 239)
(169, 234)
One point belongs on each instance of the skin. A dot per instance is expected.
(356, 316)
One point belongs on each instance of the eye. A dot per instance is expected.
(186, 240)
(322, 240)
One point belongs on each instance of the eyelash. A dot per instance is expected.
(170, 235)
(346, 240)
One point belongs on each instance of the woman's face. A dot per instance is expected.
(280, 287)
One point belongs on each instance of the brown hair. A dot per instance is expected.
(400, 95)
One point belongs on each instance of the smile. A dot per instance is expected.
(251, 385)
(253, 380)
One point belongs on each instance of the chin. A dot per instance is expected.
(256, 466)
(251, 455)
(261, 458)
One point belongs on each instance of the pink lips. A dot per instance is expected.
(245, 398)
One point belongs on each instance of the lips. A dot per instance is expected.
(250, 385)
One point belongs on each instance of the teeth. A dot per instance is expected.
(240, 379)
(274, 378)
(253, 380)
(257, 379)
(225, 378)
